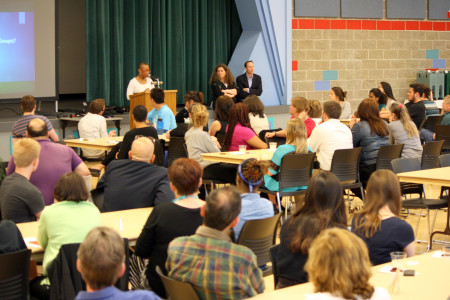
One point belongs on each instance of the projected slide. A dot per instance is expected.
(17, 55)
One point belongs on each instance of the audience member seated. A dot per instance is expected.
(323, 208)
(93, 126)
(222, 83)
(339, 268)
(198, 141)
(379, 223)
(101, 263)
(431, 108)
(415, 106)
(248, 179)
(403, 131)
(67, 221)
(380, 98)
(338, 95)
(11, 239)
(369, 133)
(20, 200)
(258, 119)
(446, 110)
(213, 256)
(160, 110)
(190, 97)
(386, 89)
(182, 128)
(135, 182)
(330, 135)
(54, 160)
(239, 130)
(222, 111)
(181, 217)
(19, 129)
(298, 109)
(295, 143)
(315, 111)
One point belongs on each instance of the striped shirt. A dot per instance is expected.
(216, 267)
(19, 129)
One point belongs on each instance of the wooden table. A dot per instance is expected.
(439, 176)
(65, 120)
(431, 281)
(105, 143)
(236, 157)
(128, 223)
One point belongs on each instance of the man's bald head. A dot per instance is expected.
(142, 149)
(223, 205)
(37, 128)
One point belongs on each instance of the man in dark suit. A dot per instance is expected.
(249, 83)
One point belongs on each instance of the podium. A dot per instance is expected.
(170, 98)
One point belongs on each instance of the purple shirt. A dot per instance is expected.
(241, 135)
(54, 161)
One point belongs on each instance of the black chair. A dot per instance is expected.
(430, 155)
(386, 154)
(274, 258)
(259, 235)
(401, 165)
(443, 133)
(177, 149)
(14, 271)
(279, 140)
(177, 290)
(430, 123)
(345, 165)
(295, 171)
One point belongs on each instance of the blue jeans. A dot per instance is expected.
(426, 135)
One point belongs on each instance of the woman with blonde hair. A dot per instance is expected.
(222, 83)
(338, 251)
(402, 130)
(295, 142)
(379, 224)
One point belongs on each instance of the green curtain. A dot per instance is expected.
(181, 40)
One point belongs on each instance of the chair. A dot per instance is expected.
(14, 273)
(443, 133)
(386, 154)
(177, 290)
(177, 149)
(273, 251)
(430, 123)
(259, 235)
(430, 155)
(345, 165)
(295, 171)
(401, 165)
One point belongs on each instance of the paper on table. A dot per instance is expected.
(31, 242)
(440, 254)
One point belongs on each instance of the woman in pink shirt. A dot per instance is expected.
(239, 131)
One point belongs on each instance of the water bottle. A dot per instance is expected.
(160, 127)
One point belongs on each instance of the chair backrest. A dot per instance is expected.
(274, 260)
(295, 170)
(400, 165)
(259, 235)
(177, 149)
(177, 290)
(430, 155)
(444, 160)
(430, 123)
(387, 153)
(345, 164)
(14, 270)
(443, 133)
(279, 140)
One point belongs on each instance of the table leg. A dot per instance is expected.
(117, 123)
(447, 228)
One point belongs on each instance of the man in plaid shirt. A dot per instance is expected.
(216, 267)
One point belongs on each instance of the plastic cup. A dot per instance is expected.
(398, 259)
(243, 148)
(273, 146)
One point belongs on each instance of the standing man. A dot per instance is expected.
(415, 106)
(249, 82)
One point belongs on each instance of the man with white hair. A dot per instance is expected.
(135, 182)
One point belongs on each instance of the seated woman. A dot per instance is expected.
(379, 97)
(199, 141)
(370, 133)
(402, 130)
(222, 83)
(170, 220)
(248, 179)
(189, 98)
(239, 130)
(386, 89)
(315, 111)
(379, 224)
(258, 119)
(338, 251)
(295, 142)
(182, 127)
(323, 208)
(222, 111)
(298, 109)
(338, 95)
(67, 221)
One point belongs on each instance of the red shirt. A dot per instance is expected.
(310, 124)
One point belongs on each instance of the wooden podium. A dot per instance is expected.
(170, 98)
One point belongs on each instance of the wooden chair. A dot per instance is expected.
(177, 290)
(14, 271)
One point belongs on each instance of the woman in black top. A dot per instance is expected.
(181, 217)
(222, 83)
(222, 110)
